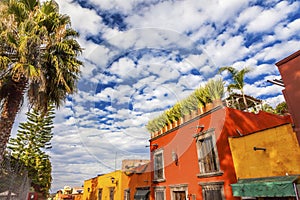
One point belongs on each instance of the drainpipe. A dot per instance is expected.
(296, 191)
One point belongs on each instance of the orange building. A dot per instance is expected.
(193, 160)
(139, 183)
(290, 73)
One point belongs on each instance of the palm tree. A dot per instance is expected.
(38, 56)
(238, 80)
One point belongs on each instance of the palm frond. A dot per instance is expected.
(230, 69)
(4, 61)
(30, 4)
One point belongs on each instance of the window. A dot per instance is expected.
(207, 153)
(159, 166)
(100, 194)
(142, 194)
(159, 193)
(179, 191)
(207, 160)
(213, 191)
(127, 194)
(111, 193)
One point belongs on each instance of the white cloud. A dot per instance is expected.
(156, 16)
(247, 15)
(117, 5)
(197, 60)
(226, 49)
(267, 19)
(123, 68)
(221, 11)
(255, 91)
(263, 69)
(190, 82)
(278, 51)
(92, 25)
(285, 31)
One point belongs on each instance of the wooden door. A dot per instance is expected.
(179, 195)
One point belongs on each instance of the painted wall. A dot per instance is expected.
(138, 178)
(226, 122)
(182, 142)
(104, 182)
(282, 153)
(141, 178)
(290, 73)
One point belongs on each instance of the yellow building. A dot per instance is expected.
(264, 160)
(106, 187)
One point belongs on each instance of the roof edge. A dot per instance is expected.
(189, 121)
(247, 134)
(290, 57)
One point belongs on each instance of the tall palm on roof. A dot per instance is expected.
(238, 80)
(38, 56)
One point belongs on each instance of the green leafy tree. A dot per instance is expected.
(238, 80)
(281, 108)
(268, 108)
(30, 145)
(38, 56)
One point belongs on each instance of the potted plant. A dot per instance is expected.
(193, 104)
(177, 111)
(185, 110)
(215, 88)
(203, 97)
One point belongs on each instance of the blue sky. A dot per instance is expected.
(141, 57)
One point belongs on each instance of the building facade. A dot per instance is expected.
(270, 152)
(194, 161)
(130, 183)
(267, 163)
(107, 186)
(139, 183)
(290, 73)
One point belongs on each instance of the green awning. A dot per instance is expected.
(265, 187)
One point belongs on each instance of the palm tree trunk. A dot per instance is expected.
(10, 108)
(244, 98)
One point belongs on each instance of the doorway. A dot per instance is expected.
(179, 195)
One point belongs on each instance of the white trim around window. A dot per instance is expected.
(160, 193)
(208, 158)
(159, 172)
(213, 190)
(178, 190)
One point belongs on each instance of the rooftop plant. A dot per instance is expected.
(202, 95)
(213, 90)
